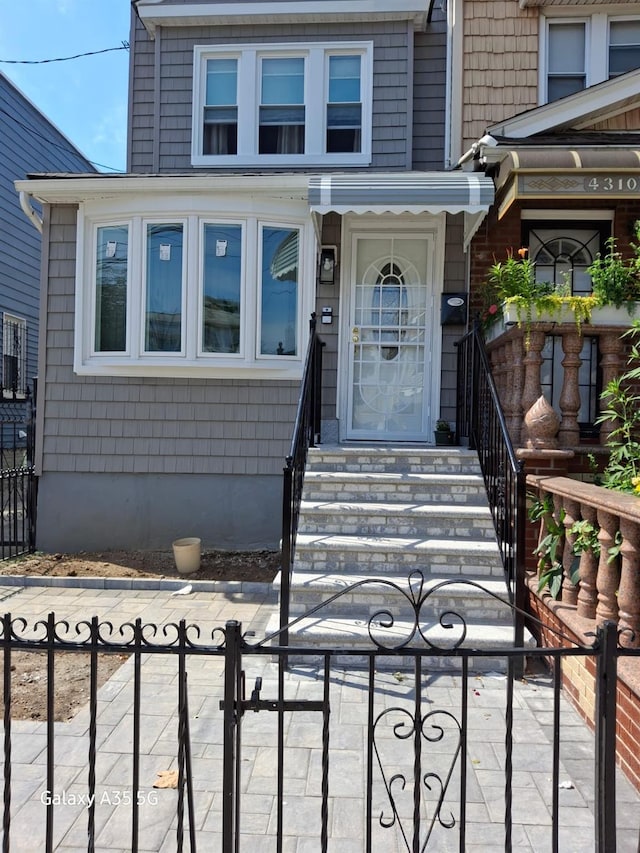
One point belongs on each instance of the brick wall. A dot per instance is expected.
(578, 678)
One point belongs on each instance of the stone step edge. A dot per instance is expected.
(482, 635)
(379, 584)
(408, 477)
(467, 512)
(306, 542)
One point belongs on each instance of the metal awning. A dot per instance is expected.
(401, 192)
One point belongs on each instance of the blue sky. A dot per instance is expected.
(85, 98)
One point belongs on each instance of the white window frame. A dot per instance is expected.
(597, 29)
(21, 323)
(192, 360)
(249, 56)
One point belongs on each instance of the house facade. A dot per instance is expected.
(30, 143)
(549, 106)
(284, 159)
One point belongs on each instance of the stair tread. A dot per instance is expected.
(355, 632)
(468, 585)
(350, 542)
(446, 477)
(388, 507)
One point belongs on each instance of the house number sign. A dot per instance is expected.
(579, 184)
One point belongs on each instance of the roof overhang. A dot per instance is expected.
(364, 192)
(554, 173)
(154, 15)
(73, 189)
(578, 111)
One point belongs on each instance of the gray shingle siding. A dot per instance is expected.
(429, 91)
(204, 426)
(173, 137)
(30, 144)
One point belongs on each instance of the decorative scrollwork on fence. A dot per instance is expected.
(424, 790)
(91, 635)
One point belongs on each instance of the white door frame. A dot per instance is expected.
(401, 225)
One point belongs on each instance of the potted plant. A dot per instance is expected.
(443, 433)
(513, 294)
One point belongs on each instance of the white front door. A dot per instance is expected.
(391, 337)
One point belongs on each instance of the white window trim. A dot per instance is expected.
(316, 83)
(192, 361)
(597, 34)
(7, 317)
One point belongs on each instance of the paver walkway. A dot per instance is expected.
(348, 726)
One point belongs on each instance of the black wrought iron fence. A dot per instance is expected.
(367, 738)
(481, 421)
(306, 433)
(18, 484)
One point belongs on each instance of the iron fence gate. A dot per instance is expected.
(396, 747)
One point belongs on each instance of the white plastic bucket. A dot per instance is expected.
(186, 553)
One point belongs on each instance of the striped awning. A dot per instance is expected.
(401, 192)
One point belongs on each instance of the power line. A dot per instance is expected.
(124, 46)
(68, 149)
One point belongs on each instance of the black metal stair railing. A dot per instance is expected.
(480, 420)
(306, 434)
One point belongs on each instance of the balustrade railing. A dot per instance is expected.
(608, 577)
(520, 364)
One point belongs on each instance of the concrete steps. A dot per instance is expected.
(407, 532)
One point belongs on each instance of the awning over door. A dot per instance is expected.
(401, 192)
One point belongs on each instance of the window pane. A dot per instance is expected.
(279, 298)
(283, 81)
(222, 82)
(221, 288)
(344, 79)
(566, 48)
(344, 110)
(111, 289)
(163, 317)
(560, 87)
(624, 47)
(220, 133)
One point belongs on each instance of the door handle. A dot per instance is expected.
(355, 335)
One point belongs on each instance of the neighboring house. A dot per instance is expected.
(284, 158)
(30, 143)
(547, 102)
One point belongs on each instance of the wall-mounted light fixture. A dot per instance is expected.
(328, 255)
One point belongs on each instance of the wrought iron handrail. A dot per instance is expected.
(306, 433)
(480, 419)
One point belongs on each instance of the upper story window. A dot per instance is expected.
(282, 104)
(580, 52)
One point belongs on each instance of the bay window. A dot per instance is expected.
(194, 294)
(283, 104)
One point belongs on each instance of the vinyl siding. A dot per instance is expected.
(429, 103)
(146, 425)
(30, 144)
(166, 142)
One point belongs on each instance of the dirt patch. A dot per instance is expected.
(71, 683)
(72, 671)
(255, 566)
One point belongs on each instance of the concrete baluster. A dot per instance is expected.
(587, 592)
(569, 591)
(629, 590)
(611, 364)
(569, 433)
(608, 572)
(532, 361)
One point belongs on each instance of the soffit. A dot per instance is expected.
(281, 11)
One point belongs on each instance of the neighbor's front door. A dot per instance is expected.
(391, 337)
